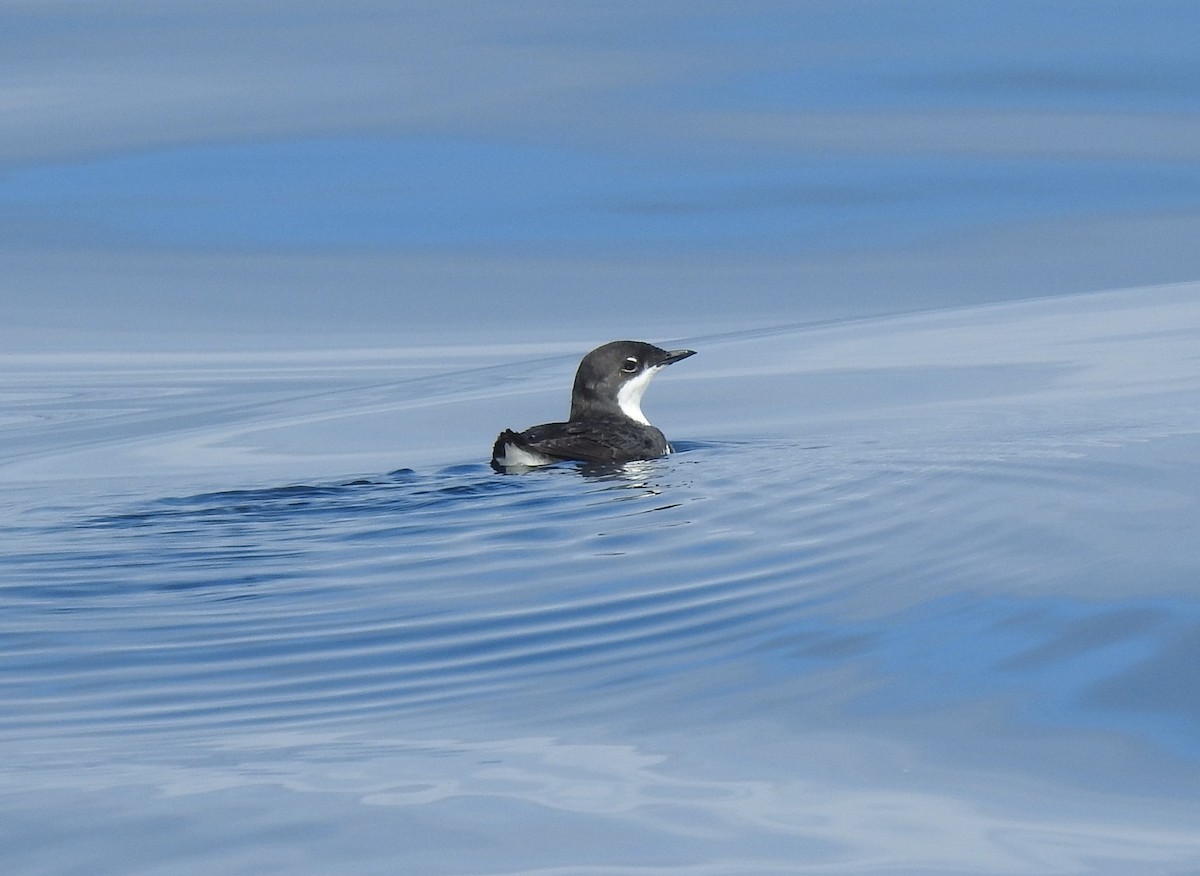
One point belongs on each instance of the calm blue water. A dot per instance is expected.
(919, 592)
(916, 594)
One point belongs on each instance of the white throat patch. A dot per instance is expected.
(629, 396)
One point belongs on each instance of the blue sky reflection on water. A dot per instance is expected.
(451, 195)
(1098, 666)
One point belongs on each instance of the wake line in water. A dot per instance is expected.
(399, 491)
(373, 632)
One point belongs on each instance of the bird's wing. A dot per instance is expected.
(596, 441)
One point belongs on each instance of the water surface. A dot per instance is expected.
(914, 595)
(917, 594)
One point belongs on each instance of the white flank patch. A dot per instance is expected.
(629, 396)
(518, 456)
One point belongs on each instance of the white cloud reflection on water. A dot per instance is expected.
(571, 808)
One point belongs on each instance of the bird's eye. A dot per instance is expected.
(630, 365)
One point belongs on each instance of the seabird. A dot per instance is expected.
(606, 424)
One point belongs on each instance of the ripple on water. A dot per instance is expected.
(463, 588)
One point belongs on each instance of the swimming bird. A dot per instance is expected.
(606, 424)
